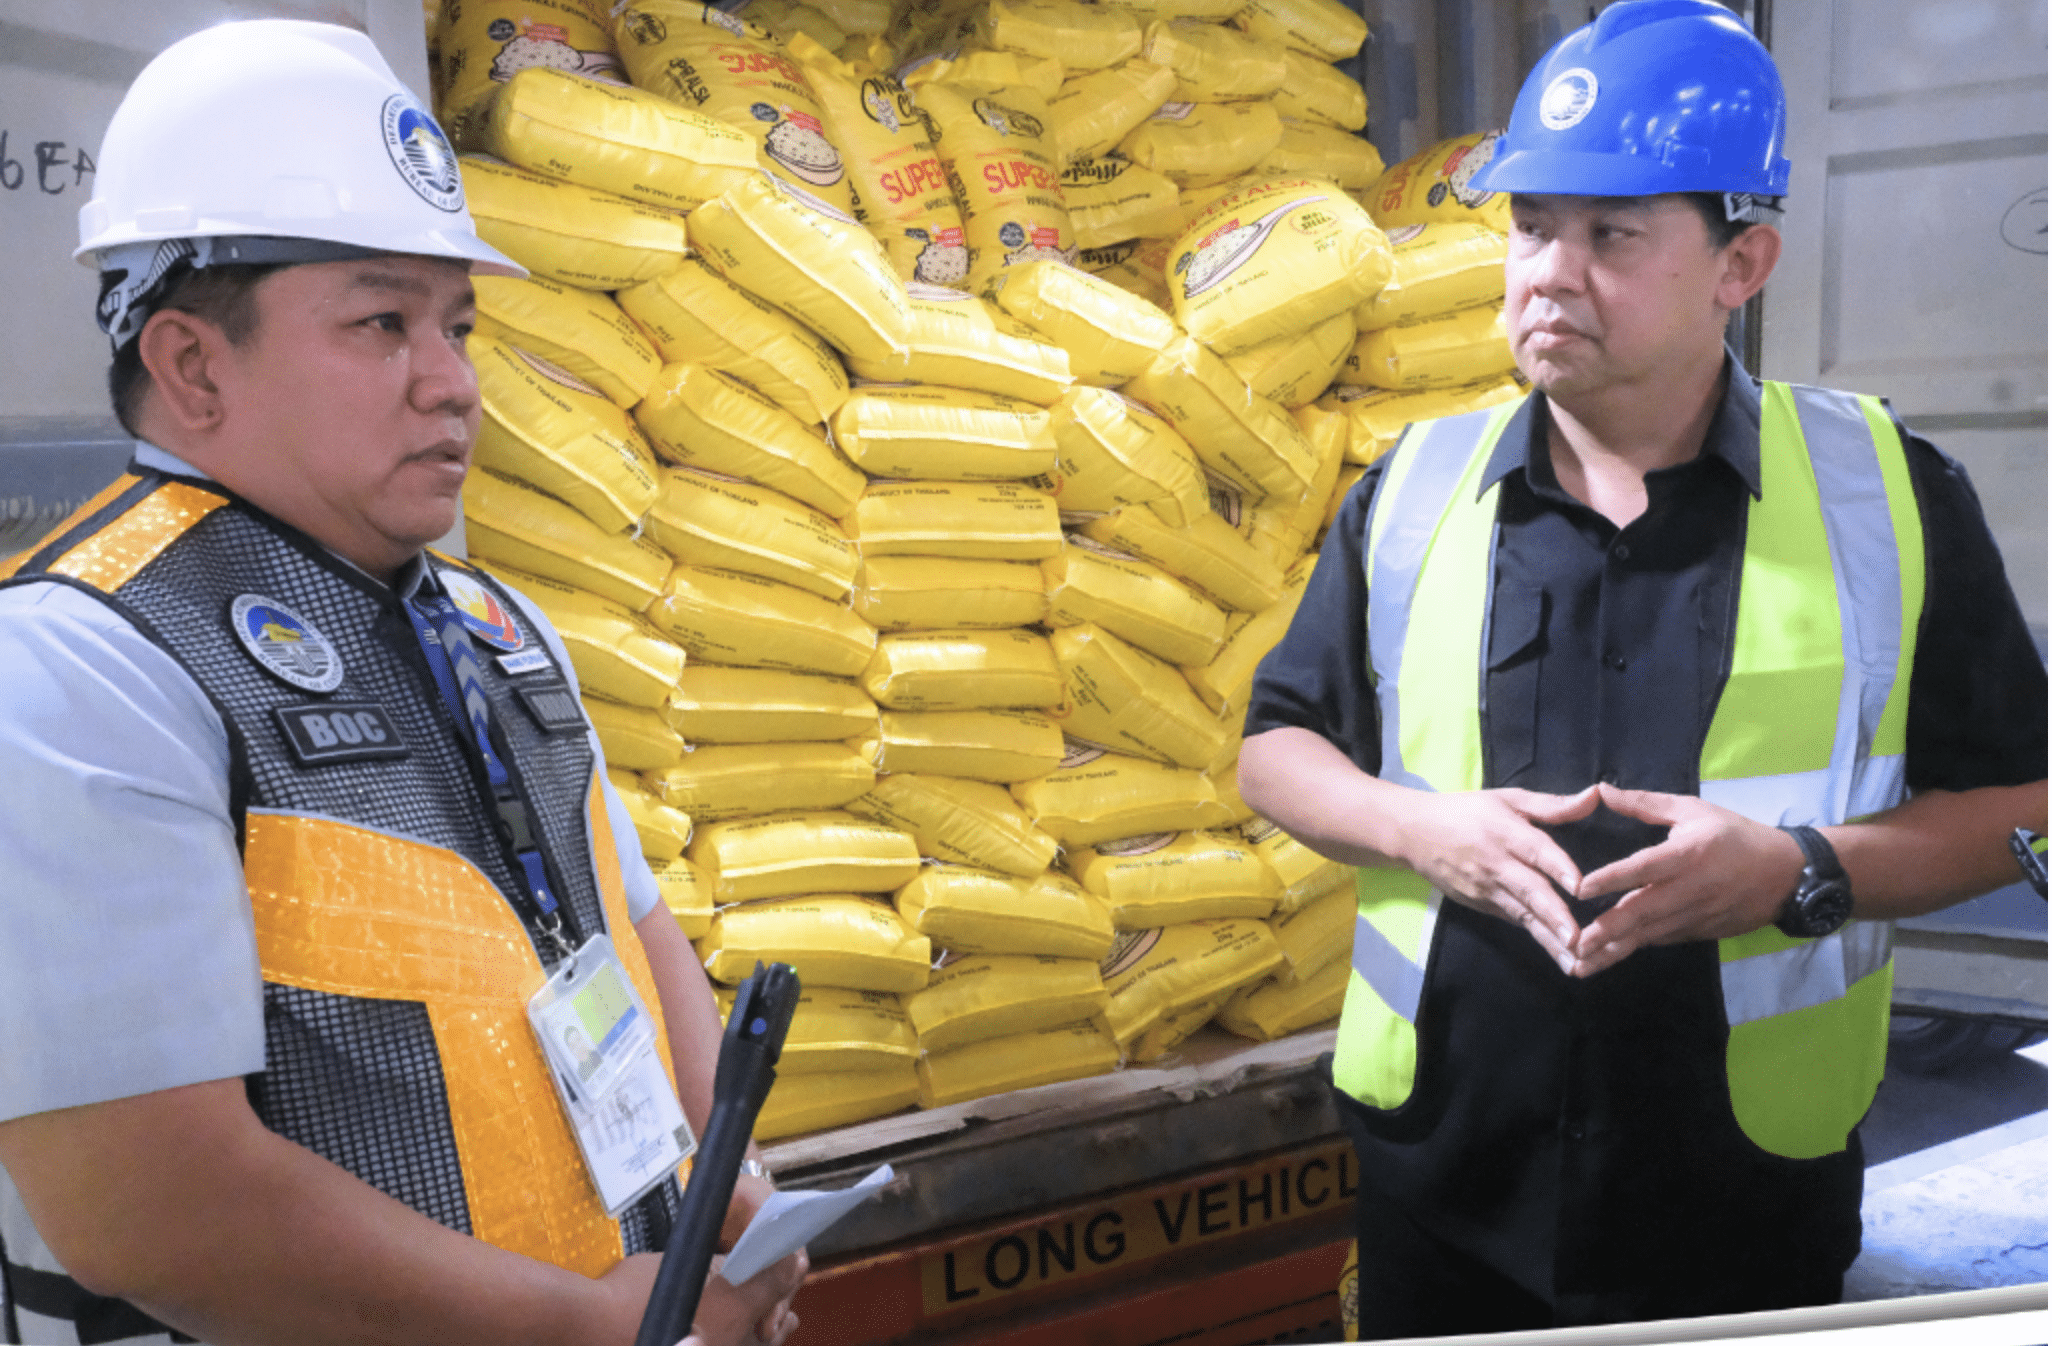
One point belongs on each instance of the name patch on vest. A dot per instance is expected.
(552, 707)
(535, 660)
(322, 735)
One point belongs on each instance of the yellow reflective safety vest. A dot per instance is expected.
(1809, 728)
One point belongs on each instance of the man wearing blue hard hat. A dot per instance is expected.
(1676, 687)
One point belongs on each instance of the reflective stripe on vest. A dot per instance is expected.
(1809, 728)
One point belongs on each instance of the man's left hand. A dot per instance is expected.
(749, 1194)
(1716, 875)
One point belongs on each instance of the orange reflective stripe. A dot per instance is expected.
(613, 896)
(112, 556)
(13, 564)
(354, 912)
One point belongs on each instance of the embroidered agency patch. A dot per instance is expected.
(484, 616)
(552, 707)
(286, 644)
(326, 733)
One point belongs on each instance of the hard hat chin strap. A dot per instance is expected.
(134, 277)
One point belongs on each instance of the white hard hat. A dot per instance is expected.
(272, 140)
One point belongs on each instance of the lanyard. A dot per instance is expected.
(460, 676)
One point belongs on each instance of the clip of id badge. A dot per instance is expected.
(601, 1045)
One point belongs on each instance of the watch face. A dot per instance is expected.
(1822, 905)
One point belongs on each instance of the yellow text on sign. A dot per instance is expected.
(1137, 1228)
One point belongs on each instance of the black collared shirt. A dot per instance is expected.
(1578, 1134)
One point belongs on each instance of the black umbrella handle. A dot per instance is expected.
(753, 1040)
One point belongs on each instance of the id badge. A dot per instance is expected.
(600, 1042)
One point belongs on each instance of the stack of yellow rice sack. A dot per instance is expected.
(915, 576)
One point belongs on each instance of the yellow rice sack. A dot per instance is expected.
(1315, 934)
(1431, 187)
(1302, 875)
(991, 521)
(633, 738)
(482, 44)
(1284, 530)
(512, 523)
(786, 20)
(1212, 11)
(1165, 878)
(1244, 438)
(1325, 29)
(835, 1031)
(719, 522)
(733, 780)
(1095, 110)
(1112, 198)
(1116, 452)
(547, 427)
(712, 704)
(1461, 348)
(1438, 268)
(1139, 266)
(1194, 143)
(1171, 1030)
(617, 653)
(686, 895)
(800, 1103)
(1080, 36)
(931, 593)
(1134, 600)
(1152, 973)
(785, 854)
(569, 234)
(1001, 160)
(1205, 553)
(1313, 90)
(1110, 335)
(1279, 1007)
(972, 64)
(859, 18)
(1294, 370)
(962, 822)
(580, 331)
(855, 943)
(959, 340)
(661, 830)
(1097, 796)
(1226, 683)
(1376, 417)
(963, 670)
(727, 617)
(696, 316)
(701, 418)
(808, 259)
(1317, 150)
(1132, 702)
(738, 74)
(1018, 1061)
(944, 434)
(1274, 260)
(1214, 64)
(1001, 746)
(980, 996)
(615, 139)
(901, 191)
(976, 911)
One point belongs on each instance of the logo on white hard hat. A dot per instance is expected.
(1568, 99)
(421, 153)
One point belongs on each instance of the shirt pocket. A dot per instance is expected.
(1510, 690)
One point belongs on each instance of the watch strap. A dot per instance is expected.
(1817, 852)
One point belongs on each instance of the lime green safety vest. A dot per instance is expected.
(1809, 728)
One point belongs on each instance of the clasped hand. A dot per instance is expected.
(1717, 873)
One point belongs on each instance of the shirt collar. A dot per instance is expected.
(408, 584)
(1734, 434)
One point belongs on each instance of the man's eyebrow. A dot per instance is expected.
(400, 283)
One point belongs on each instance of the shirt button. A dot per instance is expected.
(1622, 552)
(1575, 1132)
(1614, 661)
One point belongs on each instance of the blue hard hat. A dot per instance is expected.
(1654, 96)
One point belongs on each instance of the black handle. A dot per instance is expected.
(753, 1040)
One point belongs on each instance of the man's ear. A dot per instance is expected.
(183, 353)
(1748, 260)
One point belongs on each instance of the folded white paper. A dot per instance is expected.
(790, 1220)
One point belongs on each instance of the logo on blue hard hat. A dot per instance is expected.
(421, 153)
(1567, 99)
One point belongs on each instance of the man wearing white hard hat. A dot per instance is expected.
(313, 867)
(1643, 705)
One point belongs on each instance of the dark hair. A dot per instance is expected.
(1710, 205)
(223, 295)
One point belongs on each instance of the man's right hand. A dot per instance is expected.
(1483, 849)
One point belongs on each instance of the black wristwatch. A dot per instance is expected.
(1822, 900)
